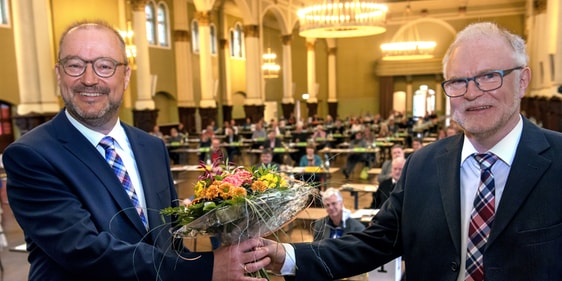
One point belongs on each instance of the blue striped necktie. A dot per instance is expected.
(481, 218)
(118, 167)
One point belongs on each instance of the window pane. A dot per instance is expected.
(213, 39)
(195, 37)
(162, 26)
(150, 32)
(3, 12)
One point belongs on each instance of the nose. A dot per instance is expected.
(89, 77)
(472, 90)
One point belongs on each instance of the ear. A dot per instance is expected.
(127, 77)
(524, 80)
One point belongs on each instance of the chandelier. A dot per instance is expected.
(342, 19)
(130, 48)
(270, 68)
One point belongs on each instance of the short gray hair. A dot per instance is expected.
(489, 30)
(332, 191)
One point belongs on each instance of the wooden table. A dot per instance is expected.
(356, 188)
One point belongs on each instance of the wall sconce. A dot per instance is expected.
(130, 48)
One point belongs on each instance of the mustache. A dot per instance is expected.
(92, 89)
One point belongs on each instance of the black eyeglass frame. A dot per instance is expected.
(501, 72)
(116, 64)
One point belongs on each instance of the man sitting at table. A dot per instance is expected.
(266, 160)
(354, 158)
(231, 138)
(386, 187)
(272, 142)
(338, 221)
(395, 152)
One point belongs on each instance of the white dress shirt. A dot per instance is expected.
(123, 149)
(470, 179)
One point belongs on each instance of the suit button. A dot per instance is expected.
(454, 266)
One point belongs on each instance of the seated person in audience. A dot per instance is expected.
(355, 157)
(338, 221)
(156, 132)
(205, 140)
(299, 135)
(386, 186)
(310, 158)
(258, 135)
(320, 136)
(174, 139)
(266, 160)
(217, 153)
(417, 143)
(230, 138)
(395, 151)
(272, 142)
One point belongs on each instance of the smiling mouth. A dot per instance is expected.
(478, 108)
(91, 94)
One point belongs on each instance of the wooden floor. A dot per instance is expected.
(15, 263)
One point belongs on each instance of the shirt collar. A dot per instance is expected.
(504, 149)
(118, 133)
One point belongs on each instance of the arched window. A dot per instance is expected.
(237, 41)
(213, 31)
(195, 36)
(163, 25)
(4, 12)
(150, 30)
(157, 24)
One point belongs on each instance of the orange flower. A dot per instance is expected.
(259, 186)
(238, 192)
(225, 188)
(212, 192)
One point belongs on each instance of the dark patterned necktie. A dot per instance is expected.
(481, 218)
(118, 167)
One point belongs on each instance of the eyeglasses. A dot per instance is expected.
(103, 67)
(485, 82)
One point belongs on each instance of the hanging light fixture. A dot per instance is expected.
(270, 68)
(342, 18)
(408, 46)
(130, 48)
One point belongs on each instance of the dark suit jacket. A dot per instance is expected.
(382, 193)
(78, 221)
(420, 221)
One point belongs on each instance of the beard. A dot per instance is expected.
(91, 118)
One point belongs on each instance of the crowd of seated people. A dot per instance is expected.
(328, 132)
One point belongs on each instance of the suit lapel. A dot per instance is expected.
(448, 171)
(90, 156)
(527, 168)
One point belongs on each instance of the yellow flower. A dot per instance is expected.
(199, 189)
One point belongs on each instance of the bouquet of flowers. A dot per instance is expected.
(235, 204)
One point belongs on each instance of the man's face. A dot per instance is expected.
(92, 100)
(491, 113)
(333, 206)
(266, 158)
(397, 152)
(397, 169)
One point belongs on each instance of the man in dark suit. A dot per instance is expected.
(272, 142)
(428, 217)
(79, 221)
(386, 186)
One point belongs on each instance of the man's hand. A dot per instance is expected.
(233, 262)
(276, 253)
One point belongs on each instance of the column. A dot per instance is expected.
(253, 105)
(184, 72)
(312, 86)
(144, 79)
(208, 104)
(34, 57)
(288, 101)
(332, 87)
